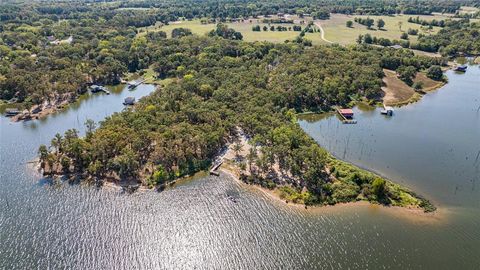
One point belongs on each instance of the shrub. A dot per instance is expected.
(435, 73)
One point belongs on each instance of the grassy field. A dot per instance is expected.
(248, 35)
(335, 28)
(337, 31)
(195, 26)
(468, 10)
(243, 27)
(398, 93)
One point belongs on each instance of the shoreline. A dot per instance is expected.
(416, 215)
(397, 93)
(43, 110)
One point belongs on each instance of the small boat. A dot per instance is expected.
(462, 68)
(129, 101)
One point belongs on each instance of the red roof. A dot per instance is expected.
(346, 111)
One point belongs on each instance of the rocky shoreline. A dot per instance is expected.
(52, 105)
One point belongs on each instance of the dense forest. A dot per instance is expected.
(51, 51)
(457, 37)
(226, 84)
(69, 44)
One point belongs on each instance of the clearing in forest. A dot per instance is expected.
(244, 27)
(336, 30)
(399, 93)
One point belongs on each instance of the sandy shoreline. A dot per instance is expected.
(414, 215)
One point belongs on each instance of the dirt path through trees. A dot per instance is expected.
(322, 32)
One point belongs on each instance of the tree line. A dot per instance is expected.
(433, 22)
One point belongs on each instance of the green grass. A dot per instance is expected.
(272, 36)
(194, 25)
(337, 31)
(468, 10)
(243, 27)
(150, 76)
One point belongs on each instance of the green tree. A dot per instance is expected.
(380, 24)
(359, 39)
(57, 142)
(417, 86)
(181, 32)
(126, 164)
(349, 24)
(369, 22)
(160, 176)
(43, 154)
(379, 188)
(368, 39)
(90, 126)
(435, 73)
(237, 148)
(406, 74)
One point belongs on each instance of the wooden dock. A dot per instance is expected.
(345, 120)
(132, 86)
(213, 170)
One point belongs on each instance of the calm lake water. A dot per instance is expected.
(431, 146)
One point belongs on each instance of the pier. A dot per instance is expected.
(215, 166)
(11, 112)
(387, 110)
(98, 88)
(133, 85)
(346, 115)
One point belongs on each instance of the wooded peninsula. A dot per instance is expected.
(215, 89)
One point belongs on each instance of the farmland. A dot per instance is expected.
(335, 28)
(245, 27)
(337, 31)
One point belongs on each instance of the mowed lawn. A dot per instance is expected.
(336, 30)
